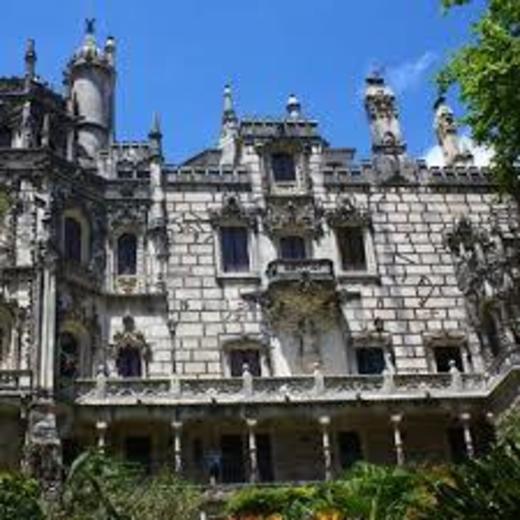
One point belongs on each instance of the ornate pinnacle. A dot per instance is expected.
(90, 25)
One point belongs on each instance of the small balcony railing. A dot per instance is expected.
(321, 270)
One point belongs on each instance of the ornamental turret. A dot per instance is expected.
(445, 127)
(90, 78)
(383, 117)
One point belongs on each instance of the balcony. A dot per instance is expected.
(300, 271)
(317, 388)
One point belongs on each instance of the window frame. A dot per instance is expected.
(85, 235)
(360, 348)
(287, 155)
(225, 267)
(307, 249)
(136, 254)
(232, 344)
(370, 269)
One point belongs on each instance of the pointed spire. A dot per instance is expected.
(155, 135)
(294, 107)
(30, 62)
(229, 110)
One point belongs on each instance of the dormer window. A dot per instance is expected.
(283, 167)
(292, 248)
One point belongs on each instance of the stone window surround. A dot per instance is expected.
(78, 331)
(230, 343)
(113, 258)
(78, 215)
(370, 256)
(368, 339)
(304, 234)
(452, 338)
(252, 245)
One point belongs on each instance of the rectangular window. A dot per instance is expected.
(292, 248)
(239, 358)
(235, 250)
(443, 356)
(370, 360)
(283, 167)
(352, 249)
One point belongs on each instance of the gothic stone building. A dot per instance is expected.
(268, 310)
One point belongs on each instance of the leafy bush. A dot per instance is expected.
(19, 498)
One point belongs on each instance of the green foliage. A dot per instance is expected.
(366, 492)
(485, 488)
(4, 202)
(19, 498)
(101, 488)
(487, 72)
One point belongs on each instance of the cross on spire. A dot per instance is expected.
(90, 25)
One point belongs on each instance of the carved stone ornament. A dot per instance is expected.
(301, 214)
(131, 338)
(488, 275)
(127, 215)
(233, 211)
(348, 213)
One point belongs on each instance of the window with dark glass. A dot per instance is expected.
(444, 355)
(73, 237)
(292, 248)
(5, 137)
(129, 362)
(283, 167)
(352, 249)
(127, 254)
(370, 360)
(249, 357)
(457, 444)
(235, 250)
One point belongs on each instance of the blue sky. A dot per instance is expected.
(174, 56)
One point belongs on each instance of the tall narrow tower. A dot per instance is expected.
(91, 78)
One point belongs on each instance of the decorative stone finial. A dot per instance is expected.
(229, 110)
(445, 127)
(383, 117)
(155, 135)
(293, 107)
(90, 25)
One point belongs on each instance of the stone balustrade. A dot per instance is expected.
(295, 270)
(181, 390)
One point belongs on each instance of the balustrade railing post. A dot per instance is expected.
(465, 419)
(396, 420)
(177, 446)
(252, 450)
(325, 442)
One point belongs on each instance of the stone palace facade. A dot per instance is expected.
(269, 310)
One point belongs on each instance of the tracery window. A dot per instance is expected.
(127, 254)
(73, 239)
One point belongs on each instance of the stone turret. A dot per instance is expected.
(228, 142)
(446, 130)
(90, 78)
(30, 63)
(383, 117)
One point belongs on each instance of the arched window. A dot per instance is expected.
(127, 254)
(129, 362)
(69, 356)
(73, 240)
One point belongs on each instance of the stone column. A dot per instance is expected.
(48, 338)
(465, 419)
(177, 446)
(398, 439)
(325, 443)
(252, 451)
(101, 432)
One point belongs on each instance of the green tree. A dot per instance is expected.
(487, 72)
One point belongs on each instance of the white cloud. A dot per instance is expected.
(409, 74)
(482, 155)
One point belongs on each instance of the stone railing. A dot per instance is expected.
(180, 390)
(298, 270)
(15, 382)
